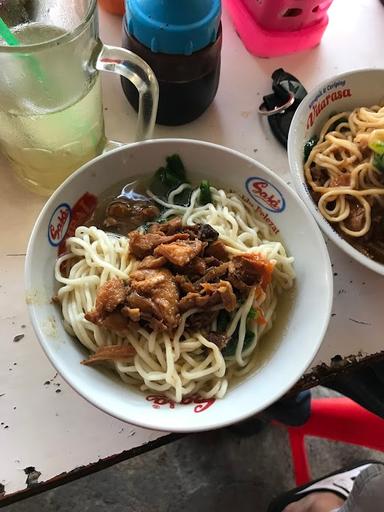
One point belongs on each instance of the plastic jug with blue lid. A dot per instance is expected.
(181, 41)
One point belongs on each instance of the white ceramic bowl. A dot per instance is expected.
(300, 339)
(342, 92)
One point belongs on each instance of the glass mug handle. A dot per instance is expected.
(136, 70)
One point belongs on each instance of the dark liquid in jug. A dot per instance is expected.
(187, 83)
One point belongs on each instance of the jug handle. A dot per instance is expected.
(136, 70)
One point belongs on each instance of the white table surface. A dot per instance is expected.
(43, 422)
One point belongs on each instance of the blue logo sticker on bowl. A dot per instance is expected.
(265, 194)
(59, 223)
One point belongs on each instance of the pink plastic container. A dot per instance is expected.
(270, 28)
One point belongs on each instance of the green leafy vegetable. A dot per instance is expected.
(335, 124)
(309, 145)
(230, 348)
(169, 178)
(205, 192)
(176, 167)
(184, 197)
(249, 335)
(378, 162)
(376, 143)
(377, 146)
(223, 319)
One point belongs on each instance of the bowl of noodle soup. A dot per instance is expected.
(336, 157)
(199, 308)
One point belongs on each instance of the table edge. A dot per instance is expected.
(81, 471)
(323, 373)
(319, 375)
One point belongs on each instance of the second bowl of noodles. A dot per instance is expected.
(185, 290)
(336, 157)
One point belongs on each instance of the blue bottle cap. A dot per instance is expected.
(174, 26)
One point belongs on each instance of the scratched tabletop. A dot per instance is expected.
(48, 433)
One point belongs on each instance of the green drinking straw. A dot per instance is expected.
(12, 40)
(7, 35)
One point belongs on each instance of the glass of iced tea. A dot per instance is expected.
(51, 115)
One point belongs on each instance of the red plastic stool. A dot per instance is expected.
(338, 419)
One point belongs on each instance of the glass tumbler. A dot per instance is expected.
(51, 115)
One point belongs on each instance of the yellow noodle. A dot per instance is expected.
(184, 363)
(344, 151)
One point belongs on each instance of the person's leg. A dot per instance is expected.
(317, 502)
(356, 489)
(368, 491)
